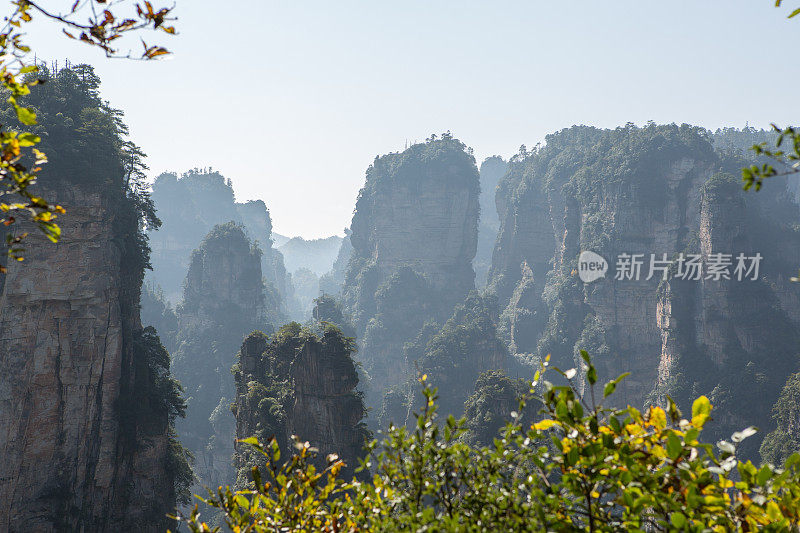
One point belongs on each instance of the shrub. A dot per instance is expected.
(580, 467)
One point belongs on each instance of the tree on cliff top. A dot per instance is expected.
(95, 22)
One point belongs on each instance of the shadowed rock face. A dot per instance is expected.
(189, 206)
(491, 172)
(223, 302)
(70, 461)
(649, 190)
(416, 220)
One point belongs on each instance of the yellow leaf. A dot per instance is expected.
(774, 512)
(701, 411)
(658, 418)
(544, 424)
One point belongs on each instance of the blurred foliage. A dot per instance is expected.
(787, 159)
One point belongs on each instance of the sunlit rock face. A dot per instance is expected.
(414, 236)
(72, 457)
(652, 190)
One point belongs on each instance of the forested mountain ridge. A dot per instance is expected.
(413, 237)
(87, 402)
(657, 189)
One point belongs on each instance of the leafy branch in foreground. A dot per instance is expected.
(580, 467)
(20, 161)
(754, 175)
(790, 15)
(788, 160)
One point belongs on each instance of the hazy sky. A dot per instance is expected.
(293, 100)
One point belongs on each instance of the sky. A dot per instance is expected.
(293, 100)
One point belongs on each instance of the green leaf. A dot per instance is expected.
(609, 389)
(701, 411)
(28, 139)
(591, 375)
(672, 408)
(561, 410)
(763, 475)
(26, 116)
(674, 446)
(678, 520)
(586, 358)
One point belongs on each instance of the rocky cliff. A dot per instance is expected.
(653, 190)
(86, 398)
(303, 383)
(223, 301)
(73, 456)
(331, 282)
(189, 206)
(491, 172)
(414, 236)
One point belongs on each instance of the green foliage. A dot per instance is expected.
(788, 160)
(466, 345)
(179, 461)
(582, 467)
(784, 441)
(151, 402)
(486, 410)
(327, 309)
(164, 392)
(20, 159)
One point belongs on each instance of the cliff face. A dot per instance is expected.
(415, 225)
(301, 383)
(189, 206)
(642, 191)
(72, 460)
(86, 397)
(331, 282)
(223, 301)
(492, 171)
